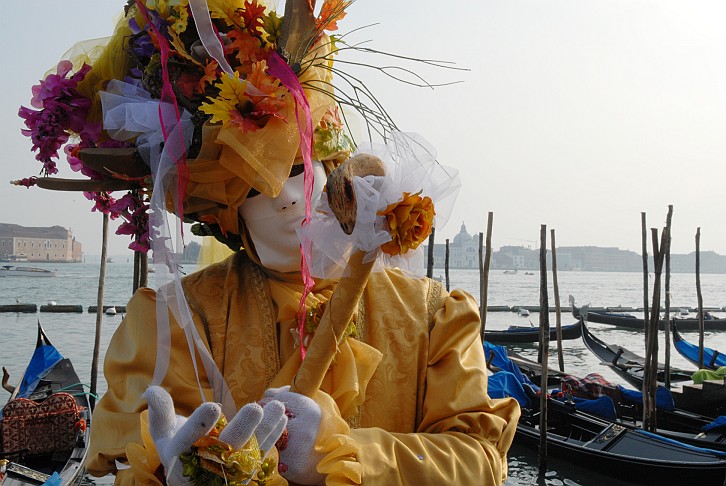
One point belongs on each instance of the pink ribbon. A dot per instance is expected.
(278, 68)
(167, 96)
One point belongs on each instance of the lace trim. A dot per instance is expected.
(433, 300)
(261, 289)
(355, 418)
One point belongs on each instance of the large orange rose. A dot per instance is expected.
(409, 222)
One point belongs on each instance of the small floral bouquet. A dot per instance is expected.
(395, 212)
(212, 462)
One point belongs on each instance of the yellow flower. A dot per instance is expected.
(225, 10)
(409, 222)
(178, 17)
(232, 96)
(162, 7)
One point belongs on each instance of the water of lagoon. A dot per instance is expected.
(73, 334)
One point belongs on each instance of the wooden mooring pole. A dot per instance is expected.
(446, 266)
(430, 261)
(99, 314)
(667, 315)
(700, 299)
(558, 311)
(644, 241)
(544, 344)
(484, 273)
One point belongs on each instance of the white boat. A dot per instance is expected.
(13, 271)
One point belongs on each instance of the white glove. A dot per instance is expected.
(298, 459)
(174, 434)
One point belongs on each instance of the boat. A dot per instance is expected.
(595, 395)
(522, 334)
(14, 271)
(616, 450)
(46, 422)
(606, 446)
(630, 366)
(712, 359)
(624, 319)
(707, 399)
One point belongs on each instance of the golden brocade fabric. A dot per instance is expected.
(413, 389)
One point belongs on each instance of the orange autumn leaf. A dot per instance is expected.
(210, 74)
(253, 16)
(409, 223)
(245, 47)
(331, 12)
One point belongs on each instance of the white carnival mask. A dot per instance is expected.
(272, 222)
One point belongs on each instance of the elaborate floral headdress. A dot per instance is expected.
(230, 83)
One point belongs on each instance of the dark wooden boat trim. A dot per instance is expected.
(620, 319)
(530, 335)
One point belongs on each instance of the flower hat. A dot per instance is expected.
(225, 92)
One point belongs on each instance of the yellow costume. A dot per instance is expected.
(425, 417)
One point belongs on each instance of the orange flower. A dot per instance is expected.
(409, 222)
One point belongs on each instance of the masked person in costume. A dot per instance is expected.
(260, 373)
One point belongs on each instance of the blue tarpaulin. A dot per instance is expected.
(663, 397)
(43, 360)
(503, 384)
(716, 424)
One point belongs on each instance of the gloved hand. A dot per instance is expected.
(174, 434)
(298, 459)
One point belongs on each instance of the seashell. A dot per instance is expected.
(340, 189)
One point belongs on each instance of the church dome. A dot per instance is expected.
(463, 237)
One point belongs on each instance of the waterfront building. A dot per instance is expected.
(38, 244)
(463, 251)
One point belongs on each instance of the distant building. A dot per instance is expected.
(38, 244)
(463, 251)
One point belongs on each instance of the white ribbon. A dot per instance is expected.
(210, 41)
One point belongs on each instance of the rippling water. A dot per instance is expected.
(73, 334)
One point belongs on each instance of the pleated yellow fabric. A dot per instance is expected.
(413, 390)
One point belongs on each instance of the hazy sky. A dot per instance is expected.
(577, 114)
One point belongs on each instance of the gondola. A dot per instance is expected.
(613, 449)
(712, 359)
(623, 405)
(709, 401)
(521, 334)
(627, 364)
(622, 319)
(606, 445)
(46, 422)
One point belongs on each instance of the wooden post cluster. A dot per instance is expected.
(651, 330)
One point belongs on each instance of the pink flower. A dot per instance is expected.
(61, 110)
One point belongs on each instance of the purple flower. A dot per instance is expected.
(61, 110)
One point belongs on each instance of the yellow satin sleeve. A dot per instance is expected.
(463, 434)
